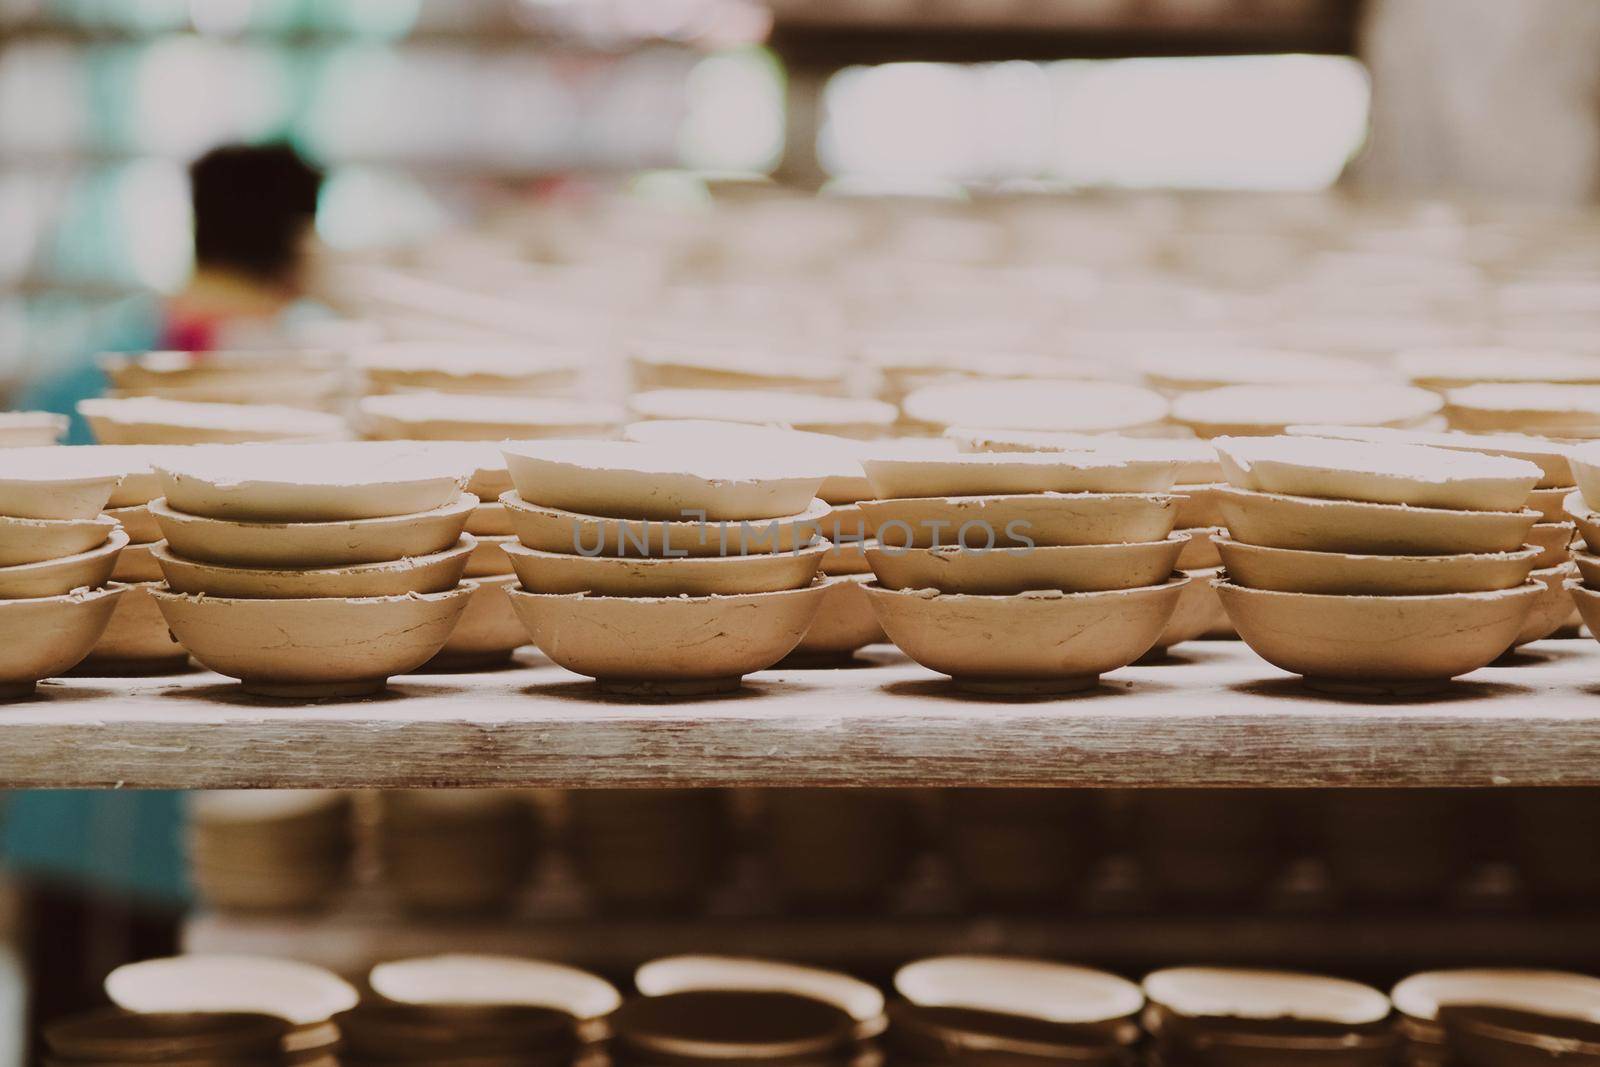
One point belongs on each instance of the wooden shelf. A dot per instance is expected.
(1215, 715)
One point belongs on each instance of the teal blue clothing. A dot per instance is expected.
(127, 843)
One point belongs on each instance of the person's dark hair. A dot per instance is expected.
(251, 206)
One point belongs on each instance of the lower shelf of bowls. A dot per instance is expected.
(1205, 713)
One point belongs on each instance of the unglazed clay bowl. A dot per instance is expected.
(137, 563)
(844, 623)
(1197, 460)
(1551, 611)
(1538, 408)
(489, 630)
(152, 421)
(996, 473)
(23, 429)
(1200, 553)
(1198, 505)
(303, 546)
(36, 540)
(302, 994)
(463, 417)
(841, 416)
(550, 572)
(1034, 642)
(490, 520)
(1551, 457)
(848, 557)
(461, 980)
(1587, 519)
(47, 636)
(425, 366)
(136, 639)
(489, 557)
(136, 519)
(311, 483)
(1035, 989)
(626, 479)
(435, 573)
(1189, 371)
(1005, 571)
(1420, 997)
(1456, 367)
(1586, 470)
(1029, 404)
(1550, 503)
(569, 533)
(55, 577)
(689, 973)
(1044, 519)
(1199, 612)
(1262, 410)
(1554, 542)
(1379, 644)
(1377, 474)
(1290, 570)
(318, 647)
(113, 1036)
(1301, 522)
(56, 482)
(669, 646)
(682, 366)
(1588, 567)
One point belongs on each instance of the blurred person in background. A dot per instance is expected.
(254, 208)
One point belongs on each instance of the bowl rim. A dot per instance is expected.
(464, 504)
(466, 586)
(1529, 588)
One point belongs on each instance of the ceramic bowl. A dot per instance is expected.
(141, 525)
(1259, 410)
(489, 558)
(137, 563)
(1200, 552)
(320, 483)
(625, 479)
(56, 482)
(1037, 989)
(1588, 567)
(460, 417)
(844, 624)
(689, 973)
(550, 572)
(1586, 469)
(1587, 520)
(303, 546)
(322, 647)
(1199, 612)
(552, 530)
(1419, 997)
(435, 573)
(37, 540)
(1526, 408)
(1006, 571)
(671, 646)
(1244, 993)
(1034, 642)
(55, 577)
(1415, 475)
(153, 421)
(981, 473)
(679, 367)
(1552, 609)
(820, 414)
(1034, 404)
(1453, 368)
(114, 1036)
(489, 520)
(1190, 371)
(1289, 570)
(300, 993)
(489, 630)
(283, 368)
(848, 556)
(1277, 521)
(1198, 505)
(1551, 457)
(476, 369)
(1197, 460)
(1550, 503)
(48, 636)
(1554, 542)
(468, 980)
(1379, 644)
(1044, 519)
(136, 640)
(24, 429)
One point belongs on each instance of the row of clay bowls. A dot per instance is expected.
(1581, 506)
(1381, 568)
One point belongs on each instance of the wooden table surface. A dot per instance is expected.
(1212, 715)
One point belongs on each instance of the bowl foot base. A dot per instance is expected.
(17, 690)
(1377, 688)
(1026, 686)
(365, 687)
(684, 687)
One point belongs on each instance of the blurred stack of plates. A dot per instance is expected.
(270, 849)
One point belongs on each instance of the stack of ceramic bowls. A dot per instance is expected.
(1562, 411)
(1203, 1016)
(1551, 535)
(1034, 404)
(478, 370)
(651, 851)
(305, 997)
(836, 849)
(456, 850)
(1376, 568)
(974, 1010)
(1584, 508)
(1190, 371)
(294, 378)
(476, 1009)
(221, 1039)
(269, 849)
(846, 622)
(1261, 410)
(664, 571)
(840, 416)
(717, 1009)
(1199, 612)
(654, 366)
(313, 571)
(1024, 572)
(1483, 1017)
(22, 429)
(152, 421)
(1020, 848)
(1444, 369)
(57, 552)
(462, 417)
